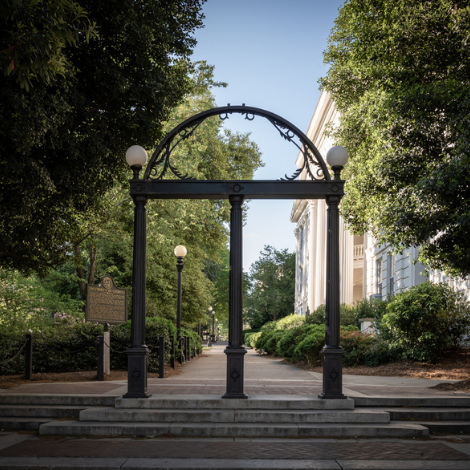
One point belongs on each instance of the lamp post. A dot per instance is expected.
(137, 353)
(213, 328)
(209, 315)
(332, 353)
(180, 253)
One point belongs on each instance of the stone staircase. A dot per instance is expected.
(203, 416)
(258, 416)
(29, 412)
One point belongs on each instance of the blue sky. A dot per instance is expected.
(270, 52)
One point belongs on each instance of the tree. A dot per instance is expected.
(35, 36)
(272, 292)
(219, 273)
(399, 75)
(200, 225)
(62, 142)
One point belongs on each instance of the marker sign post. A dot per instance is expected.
(106, 304)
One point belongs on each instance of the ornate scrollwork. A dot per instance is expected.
(160, 164)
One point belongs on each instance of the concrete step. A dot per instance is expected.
(443, 427)
(432, 414)
(414, 402)
(87, 428)
(22, 424)
(40, 411)
(75, 400)
(260, 402)
(234, 416)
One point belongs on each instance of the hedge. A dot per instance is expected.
(72, 346)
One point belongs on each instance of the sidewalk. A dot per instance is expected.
(263, 376)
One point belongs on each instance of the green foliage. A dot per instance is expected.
(399, 75)
(34, 39)
(252, 338)
(291, 321)
(426, 320)
(103, 241)
(71, 345)
(219, 273)
(264, 337)
(28, 305)
(270, 325)
(317, 317)
(247, 334)
(310, 346)
(272, 292)
(290, 340)
(63, 142)
(367, 349)
(195, 342)
(348, 315)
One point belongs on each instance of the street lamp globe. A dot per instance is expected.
(337, 156)
(136, 156)
(180, 251)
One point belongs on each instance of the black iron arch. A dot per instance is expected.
(160, 163)
(154, 186)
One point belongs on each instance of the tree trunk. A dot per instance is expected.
(79, 271)
(92, 267)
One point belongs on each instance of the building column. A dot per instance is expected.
(312, 254)
(320, 251)
(346, 250)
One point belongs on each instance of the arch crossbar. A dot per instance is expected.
(160, 164)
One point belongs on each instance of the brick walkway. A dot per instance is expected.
(227, 449)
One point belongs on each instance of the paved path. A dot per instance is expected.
(263, 375)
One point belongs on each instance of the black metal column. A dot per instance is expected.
(332, 352)
(235, 351)
(179, 267)
(137, 352)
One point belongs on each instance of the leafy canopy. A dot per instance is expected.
(271, 295)
(399, 75)
(62, 143)
(200, 225)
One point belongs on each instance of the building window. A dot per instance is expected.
(390, 274)
(378, 276)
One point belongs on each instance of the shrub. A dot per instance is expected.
(247, 333)
(271, 325)
(347, 315)
(252, 338)
(268, 340)
(72, 346)
(291, 321)
(426, 320)
(271, 343)
(317, 317)
(366, 349)
(289, 341)
(310, 346)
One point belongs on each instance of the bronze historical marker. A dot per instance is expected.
(106, 303)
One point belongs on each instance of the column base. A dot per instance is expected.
(332, 373)
(137, 373)
(235, 372)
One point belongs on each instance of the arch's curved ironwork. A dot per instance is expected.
(160, 163)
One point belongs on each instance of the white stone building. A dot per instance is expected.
(366, 267)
